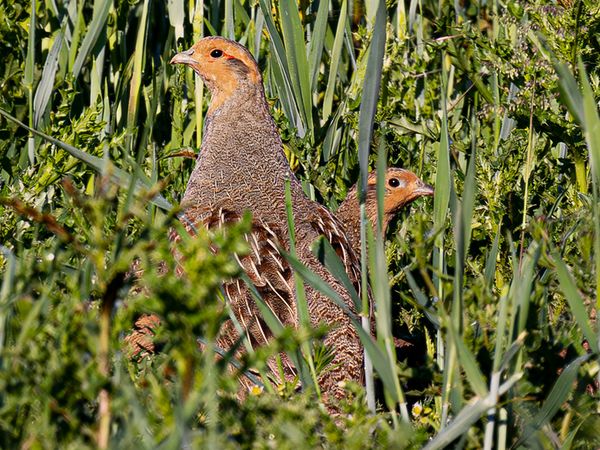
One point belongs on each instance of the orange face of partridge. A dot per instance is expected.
(401, 188)
(225, 66)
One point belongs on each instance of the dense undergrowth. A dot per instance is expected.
(494, 283)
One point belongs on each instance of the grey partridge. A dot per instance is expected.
(242, 167)
(401, 188)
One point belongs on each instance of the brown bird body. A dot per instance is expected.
(242, 167)
(401, 188)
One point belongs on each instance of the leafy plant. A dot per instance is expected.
(493, 287)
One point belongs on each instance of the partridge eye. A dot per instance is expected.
(394, 182)
(216, 53)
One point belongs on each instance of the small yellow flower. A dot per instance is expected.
(281, 389)
(417, 409)
(256, 390)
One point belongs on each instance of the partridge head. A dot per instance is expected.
(225, 67)
(401, 188)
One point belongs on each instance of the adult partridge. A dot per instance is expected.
(401, 188)
(242, 167)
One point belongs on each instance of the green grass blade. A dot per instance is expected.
(280, 60)
(301, 302)
(286, 95)
(469, 194)
(28, 76)
(89, 41)
(524, 285)
(569, 289)
(317, 283)
(336, 53)
(509, 354)
(441, 198)
(569, 92)
(422, 299)
(370, 93)
(441, 201)
(557, 397)
(379, 359)
(8, 279)
(366, 118)
(46, 85)
(30, 60)
(372, 7)
(139, 57)
(176, 15)
(323, 250)
(591, 128)
(473, 374)
(295, 46)
(316, 43)
(228, 25)
(501, 325)
(276, 328)
(333, 136)
(463, 216)
(470, 414)
(378, 272)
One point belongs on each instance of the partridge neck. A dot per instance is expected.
(241, 152)
(242, 127)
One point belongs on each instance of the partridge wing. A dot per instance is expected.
(271, 275)
(326, 224)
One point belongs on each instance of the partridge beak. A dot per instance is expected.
(183, 57)
(423, 189)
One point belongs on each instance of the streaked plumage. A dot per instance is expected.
(241, 166)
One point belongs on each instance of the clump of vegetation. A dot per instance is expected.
(493, 285)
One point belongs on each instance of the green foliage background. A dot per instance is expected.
(494, 284)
